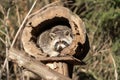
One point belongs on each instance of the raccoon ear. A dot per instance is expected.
(52, 35)
(67, 33)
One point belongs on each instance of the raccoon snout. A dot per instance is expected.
(60, 49)
(59, 46)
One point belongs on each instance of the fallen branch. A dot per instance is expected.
(37, 67)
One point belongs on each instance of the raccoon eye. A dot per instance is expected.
(67, 33)
(52, 35)
(65, 43)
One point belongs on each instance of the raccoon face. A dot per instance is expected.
(59, 46)
(61, 39)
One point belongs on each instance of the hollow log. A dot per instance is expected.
(44, 19)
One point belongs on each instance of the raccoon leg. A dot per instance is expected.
(53, 53)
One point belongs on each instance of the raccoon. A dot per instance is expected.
(54, 40)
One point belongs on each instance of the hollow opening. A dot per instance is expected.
(48, 24)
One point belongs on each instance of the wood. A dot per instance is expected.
(34, 66)
(67, 59)
(46, 18)
(52, 14)
(60, 67)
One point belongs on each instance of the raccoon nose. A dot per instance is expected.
(60, 49)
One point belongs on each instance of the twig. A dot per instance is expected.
(2, 40)
(115, 67)
(46, 6)
(3, 33)
(6, 28)
(18, 15)
(2, 9)
(5, 24)
(7, 63)
(7, 43)
(21, 26)
(6, 36)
